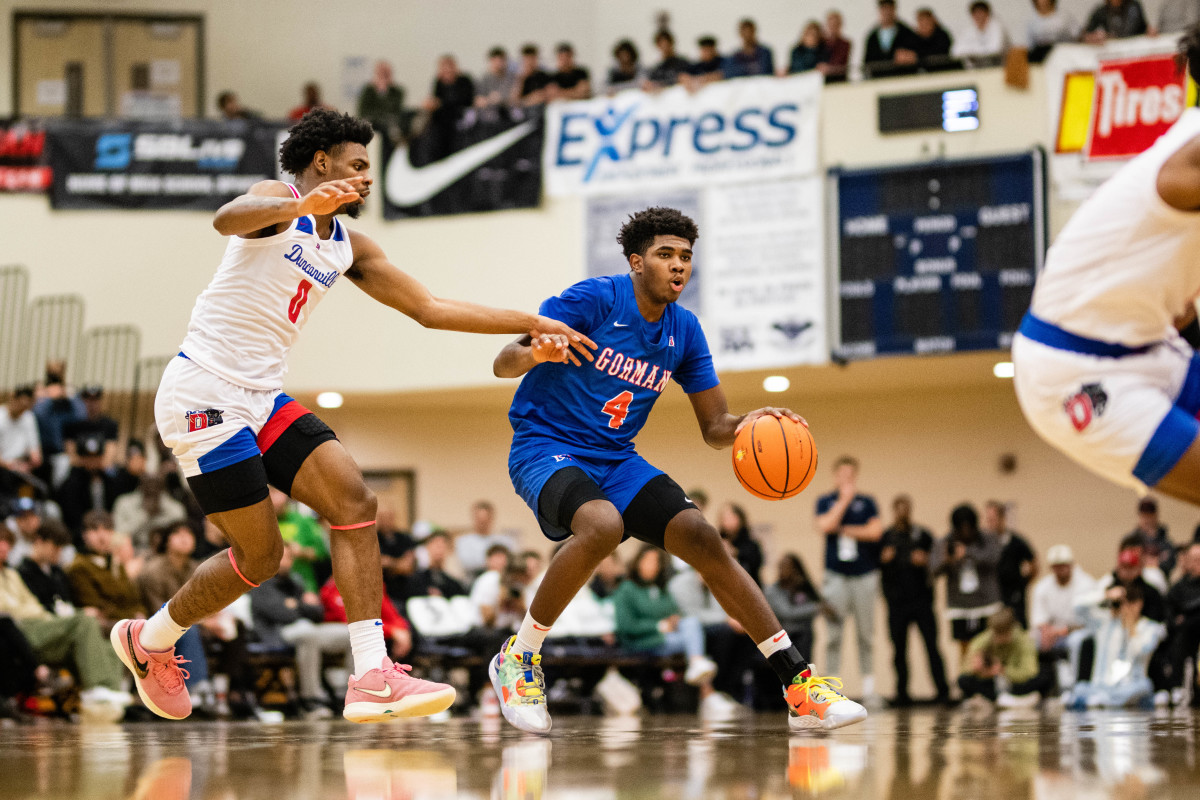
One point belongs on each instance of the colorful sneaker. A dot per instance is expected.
(391, 693)
(521, 687)
(157, 676)
(815, 702)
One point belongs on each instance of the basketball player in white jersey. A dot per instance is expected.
(221, 409)
(1101, 370)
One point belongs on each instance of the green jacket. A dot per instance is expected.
(639, 610)
(1019, 657)
(296, 528)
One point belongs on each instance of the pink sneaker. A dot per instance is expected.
(157, 676)
(390, 693)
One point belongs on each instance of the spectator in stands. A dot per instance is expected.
(570, 81)
(891, 45)
(671, 65)
(626, 72)
(304, 537)
(485, 591)
(735, 529)
(285, 613)
(983, 41)
(532, 80)
(435, 578)
(393, 542)
(94, 423)
(471, 547)
(850, 523)
(1176, 16)
(98, 581)
(1018, 563)
(396, 629)
(810, 51)
(1054, 614)
(497, 84)
(1157, 549)
(53, 411)
(381, 102)
(709, 68)
(211, 542)
(933, 42)
(1115, 19)
(752, 58)
(1047, 27)
(88, 486)
(648, 620)
(1183, 608)
(400, 579)
(20, 670)
(532, 564)
(1132, 568)
(1125, 642)
(42, 572)
(453, 94)
(968, 558)
(1002, 665)
(795, 600)
(311, 100)
(231, 108)
(838, 46)
(23, 521)
(128, 476)
(140, 513)
(20, 444)
(908, 589)
(607, 577)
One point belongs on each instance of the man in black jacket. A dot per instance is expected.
(1183, 623)
(41, 572)
(891, 45)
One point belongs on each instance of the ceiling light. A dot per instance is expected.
(329, 399)
(776, 383)
(1004, 369)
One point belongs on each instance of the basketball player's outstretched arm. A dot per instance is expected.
(718, 426)
(271, 203)
(525, 353)
(387, 283)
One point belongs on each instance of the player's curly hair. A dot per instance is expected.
(638, 233)
(1187, 52)
(320, 129)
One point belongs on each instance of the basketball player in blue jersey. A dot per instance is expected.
(221, 409)
(573, 462)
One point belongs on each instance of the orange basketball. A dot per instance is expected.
(774, 458)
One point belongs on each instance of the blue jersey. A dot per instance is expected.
(600, 406)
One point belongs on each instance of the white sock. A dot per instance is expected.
(531, 635)
(780, 641)
(160, 631)
(368, 644)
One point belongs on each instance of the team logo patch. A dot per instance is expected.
(560, 459)
(1086, 404)
(205, 418)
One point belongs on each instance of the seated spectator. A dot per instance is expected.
(838, 47)
(304, 537)
(53, 411)
(94, 422)
(795, 600)
(607, 577)
(671, 65)
(127, 556)
(933, 42)
(570, 81)
(530, 86)
(472, 545)
(400, 579)
(75, 641)
(20, 670)
(983, 40)
(891, 45)
(496, 595)
(1047, 27)
(1002, 665)
(98, 581)
(1176, 16)
(393, 542)
(752, 58)
(734, 527)
(532, 565)
(88, 485)
(810, 51)
(285, 613)
(968, 558)
(1157, 550)
(20, 444)
(23, 521)
(1132, 569)
(146, 510)
(311, 100)
(1115, 19)
(435, 578)
(1183, 608)
(211, 542)
(127, 477)
(1125, 641)
(381, 102)
(396, 629)
(497, 84)
(626, 72)
(231, 108)
(710, 67)
(1054, 614)
(42, 572)
(648, 620)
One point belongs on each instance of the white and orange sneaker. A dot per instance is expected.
(157, 676)
(815, 702)
(391, 693)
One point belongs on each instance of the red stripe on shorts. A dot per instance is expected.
(278, 423)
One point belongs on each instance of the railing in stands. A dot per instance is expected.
(53, 328)
(110, 358)
(14, 288)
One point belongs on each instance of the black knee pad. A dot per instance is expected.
(284, 458)
(562, 495)
(229, 488)
(653, 508)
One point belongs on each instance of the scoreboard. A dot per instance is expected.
(939, 257)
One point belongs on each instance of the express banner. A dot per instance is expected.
(188, 164)
(22, 158)
(736, 131)
(492, 161)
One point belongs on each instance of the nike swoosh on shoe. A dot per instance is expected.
(406, 185)
(142, 668)
(383, 693)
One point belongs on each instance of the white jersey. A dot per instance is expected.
(1127, 264)
(245, 323)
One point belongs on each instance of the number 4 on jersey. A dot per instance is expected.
(298, 301)
(618, 408)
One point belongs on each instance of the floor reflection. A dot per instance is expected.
(919, 755)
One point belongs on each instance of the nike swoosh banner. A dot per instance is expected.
(735, 131)
(489, 161)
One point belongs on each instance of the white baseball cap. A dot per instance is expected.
(1059, 554)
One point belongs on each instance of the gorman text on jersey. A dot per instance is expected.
(632, 370)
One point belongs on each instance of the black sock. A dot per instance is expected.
(787, 664)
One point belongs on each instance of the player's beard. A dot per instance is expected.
(352, 210)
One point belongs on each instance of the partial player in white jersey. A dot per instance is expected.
(1101, 370)
(222, 410)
